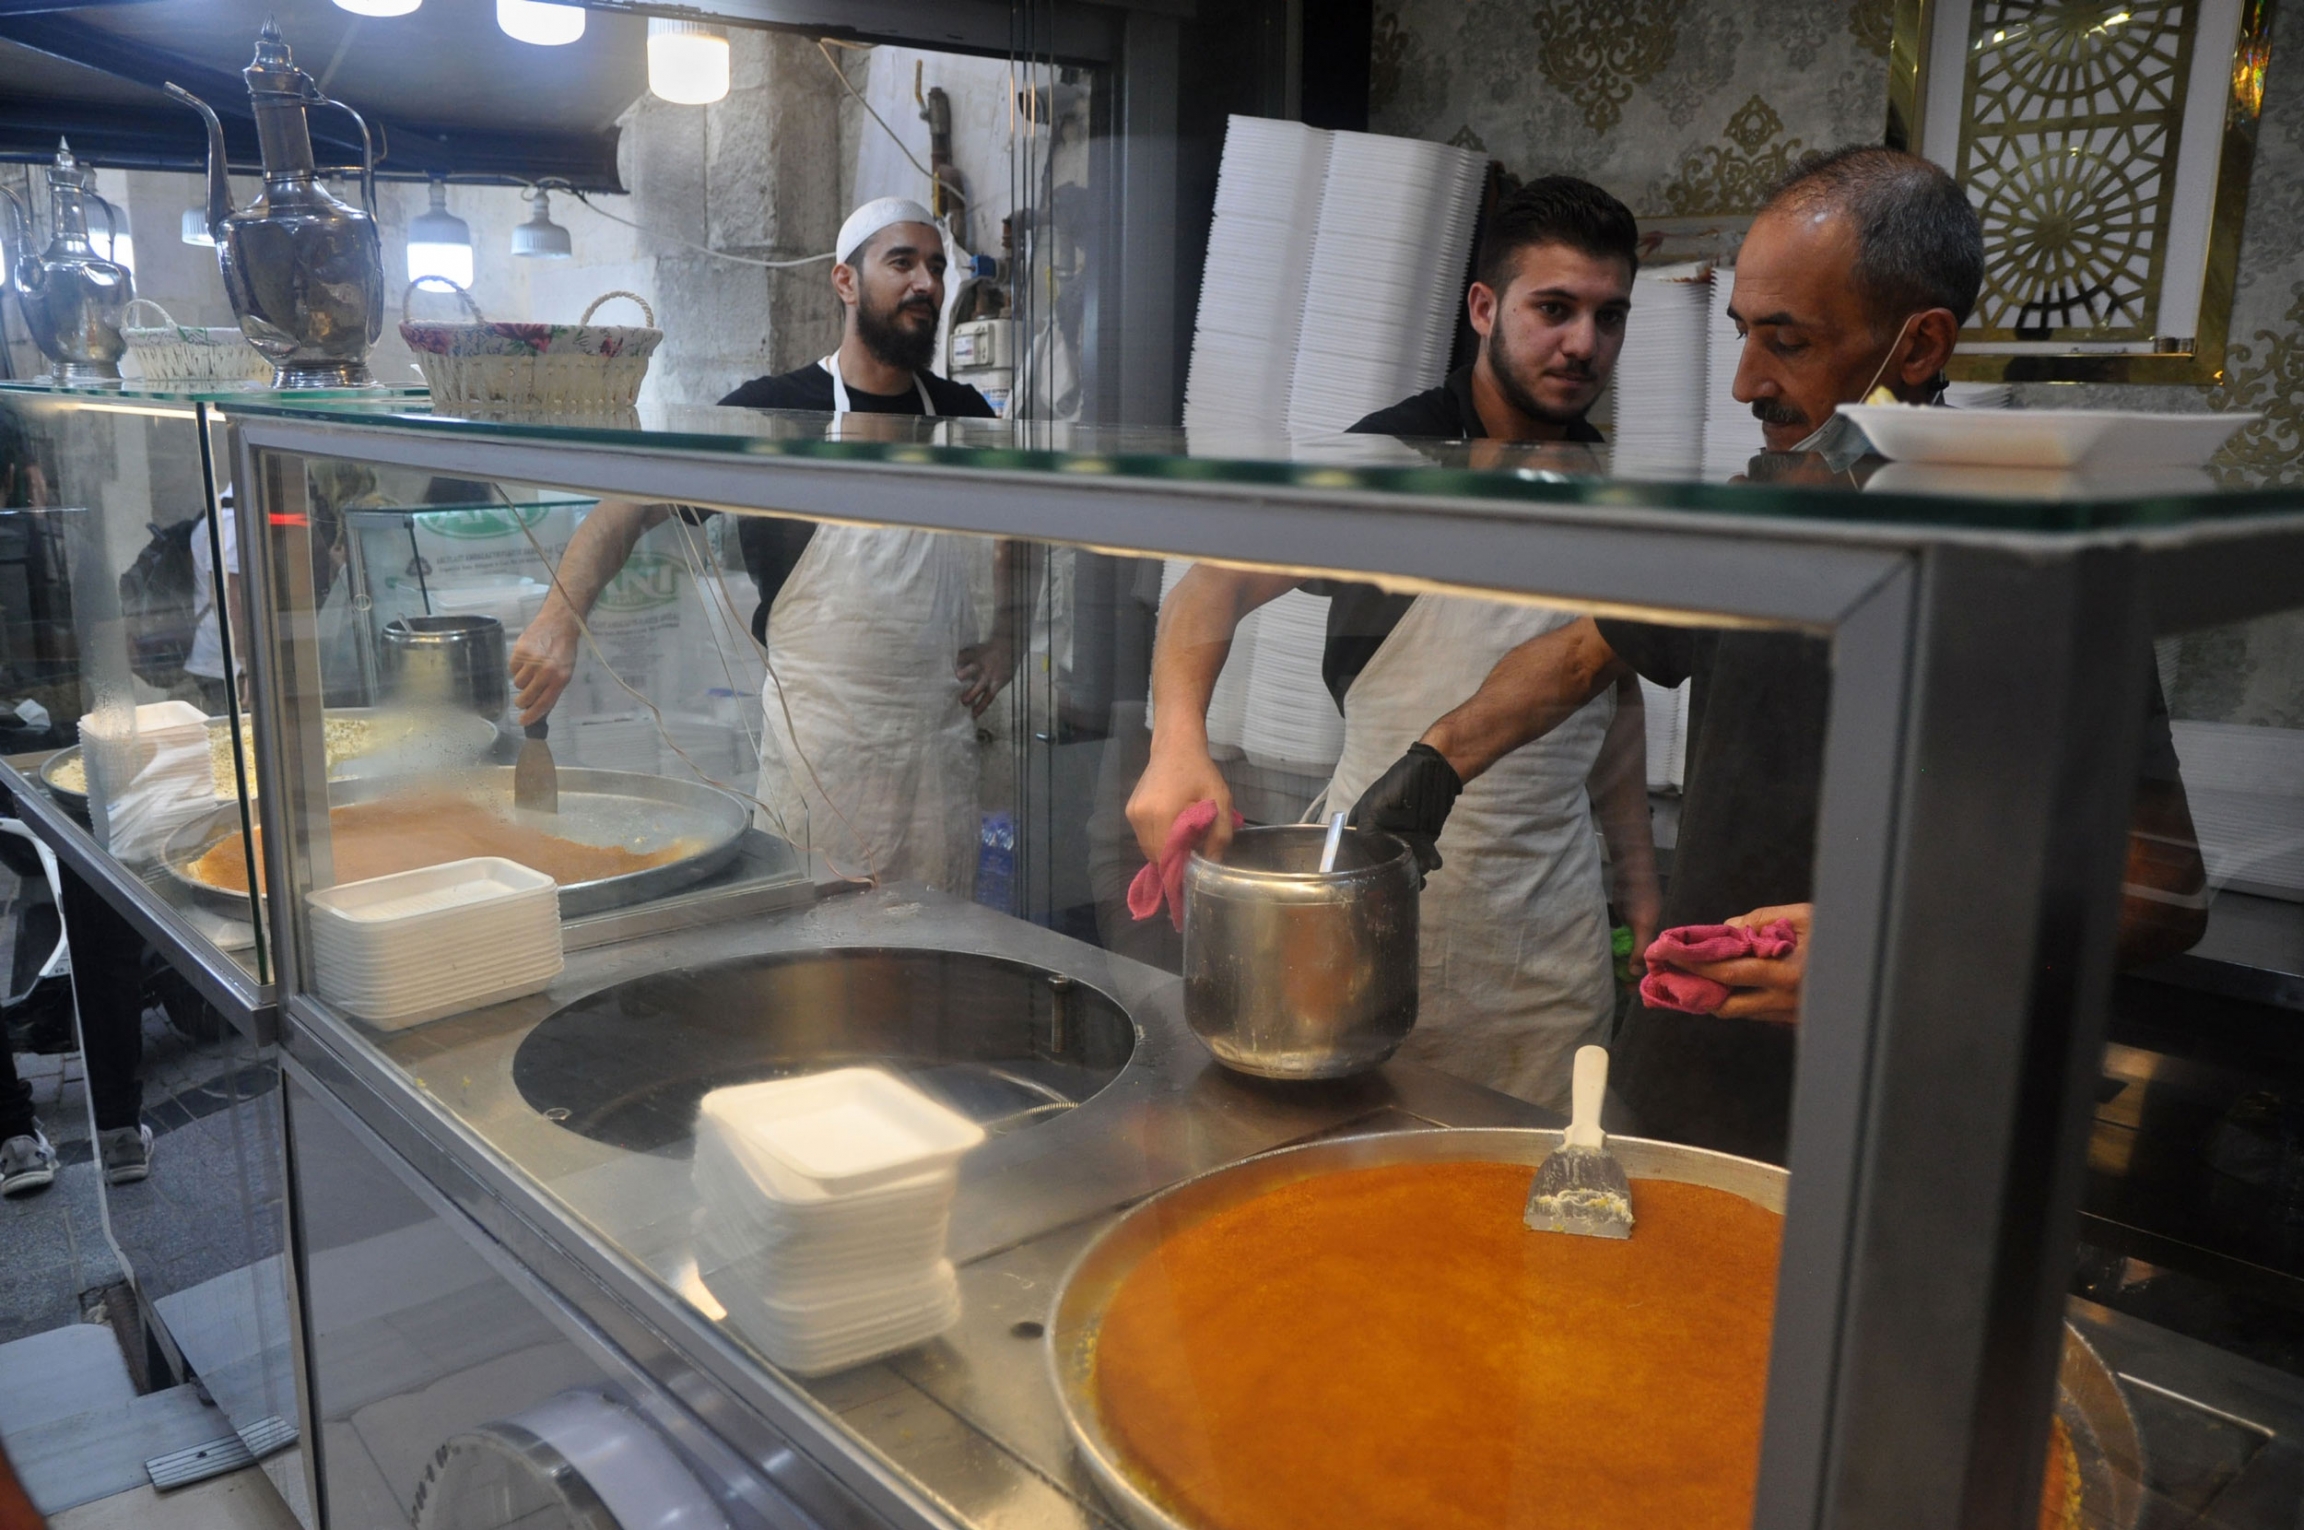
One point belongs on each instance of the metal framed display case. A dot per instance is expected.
(1988, 697)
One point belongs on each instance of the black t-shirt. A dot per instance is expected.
(771, 546)
(1361, 616)
(1755, 769)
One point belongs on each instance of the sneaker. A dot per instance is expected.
(127, 1153)
(27, 1164)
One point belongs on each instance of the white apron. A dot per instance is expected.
(863, 639)
(1514, 925)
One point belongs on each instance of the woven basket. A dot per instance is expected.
(581, 366)
(172, 352)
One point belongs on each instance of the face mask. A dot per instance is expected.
(1838, 440)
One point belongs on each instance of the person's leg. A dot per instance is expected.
(27, 1162)
(107, 986)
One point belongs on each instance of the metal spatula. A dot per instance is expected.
(1580, 1189)
(535, 779)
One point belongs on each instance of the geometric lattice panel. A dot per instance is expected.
(2068, 148)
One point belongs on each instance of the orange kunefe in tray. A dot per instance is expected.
(374, 839)
(1393, 1348)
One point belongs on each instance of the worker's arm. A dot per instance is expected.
(985, 668)
(544, 659)
(1532, 690)
(1619, 788)
(1197, 621)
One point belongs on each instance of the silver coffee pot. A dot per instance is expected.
(304, 272)
(72, 297)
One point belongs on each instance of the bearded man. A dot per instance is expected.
(875, 674)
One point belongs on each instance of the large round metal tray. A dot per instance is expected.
(601, 807)
(2089, 1400)
(465, 737)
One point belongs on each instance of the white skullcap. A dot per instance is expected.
(874, 216)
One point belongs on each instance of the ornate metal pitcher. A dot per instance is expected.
(72, 297)
(305, 273)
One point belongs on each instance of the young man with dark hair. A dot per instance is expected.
(1858, 273)
(1515, 935)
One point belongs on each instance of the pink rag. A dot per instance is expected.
(1694, 945)
(1166, 880)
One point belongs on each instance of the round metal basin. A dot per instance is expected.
(1004, 1043)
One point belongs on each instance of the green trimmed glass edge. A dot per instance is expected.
(1135, 457)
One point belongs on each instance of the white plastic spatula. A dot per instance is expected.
(1579, 1189)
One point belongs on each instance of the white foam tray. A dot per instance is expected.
(843, 1132)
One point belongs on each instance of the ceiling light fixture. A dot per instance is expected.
(540, 238)
(539, 22)
(439, 242)
(687, 62)
(378, 7)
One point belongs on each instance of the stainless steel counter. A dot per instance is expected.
(968, 1420)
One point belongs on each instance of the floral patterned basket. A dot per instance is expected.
(170, 352)
(580, 366)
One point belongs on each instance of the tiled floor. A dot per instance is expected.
(241, 1500)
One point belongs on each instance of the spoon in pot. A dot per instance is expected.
(1335, 843)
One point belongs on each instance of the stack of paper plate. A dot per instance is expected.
(826, 1201)
(1662, 374)
(399, 950)
(1380, 307)
(1252, 289)
(1732, 432)
(1292, 723)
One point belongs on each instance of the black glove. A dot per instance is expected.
(1411, 800)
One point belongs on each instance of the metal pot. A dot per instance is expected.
(1291, 972)
(447, 661)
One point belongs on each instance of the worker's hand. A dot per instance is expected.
(1412, 800)
(1179, 775)
(1765, 989)
(984, 670)
(1640, 904)
(544, 660)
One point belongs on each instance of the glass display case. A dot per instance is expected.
(797, 1014)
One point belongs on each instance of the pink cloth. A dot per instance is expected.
(1165, 882)
(1667, 986)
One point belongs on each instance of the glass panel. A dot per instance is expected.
(2189, 1280)
(116, 638)
(836, 797)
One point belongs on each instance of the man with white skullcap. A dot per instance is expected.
(876, 674)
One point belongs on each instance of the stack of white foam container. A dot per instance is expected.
(400, 950)
(826, 1201)
(1252, 292)
(1291, 722)
(1380, 305)
(1661, 375)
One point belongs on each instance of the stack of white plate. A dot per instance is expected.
(1980, 395)
(400, 950)
(825, 1204)
(1395, 230)
(1292, 723)
(148, 773)
(1228, 706)
(1731, 431)
(1661, 376)
(1252, 289)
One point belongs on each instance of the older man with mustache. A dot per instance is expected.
(1857, 275)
